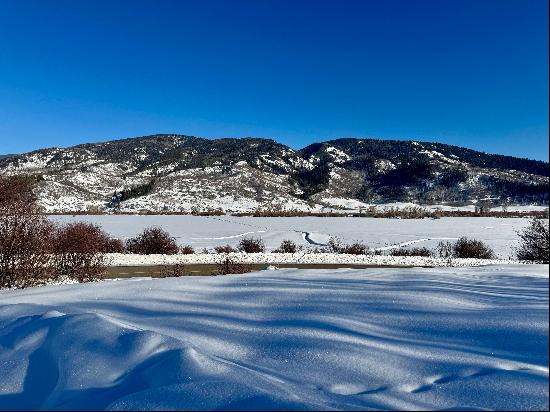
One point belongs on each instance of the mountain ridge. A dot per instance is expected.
(273, 140)
(180, 173)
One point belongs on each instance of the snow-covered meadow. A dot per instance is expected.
(210, 231)
(282, 339)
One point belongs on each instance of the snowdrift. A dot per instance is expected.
(282, 339)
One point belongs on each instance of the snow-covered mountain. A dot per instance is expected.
(183, 173)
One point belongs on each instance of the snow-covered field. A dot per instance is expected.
(210, 231)
(291, 339)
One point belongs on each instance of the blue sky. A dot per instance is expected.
(469, 73)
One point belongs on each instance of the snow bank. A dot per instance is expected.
(122, 259)
(282, 339)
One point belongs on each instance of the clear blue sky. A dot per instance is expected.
(470, 73)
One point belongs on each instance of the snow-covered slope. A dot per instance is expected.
(176, 173)
(287, 339)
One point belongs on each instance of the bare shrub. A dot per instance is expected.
(16, 192)
(187, 250)
(356, 249)
(416, 251)
(196, 211)
(78, 251)
(286, 246)
(113, 245)
(535, 240)
(335, 245)
(25, 235)
(251, 245)
(153, 240)
(472, 248)
(445, 249)
(225, 249)
(230, 266)
(174, 271)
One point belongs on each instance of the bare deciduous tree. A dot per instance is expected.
(25, 235)
(535, 241)
(78, 251)
(33, 250)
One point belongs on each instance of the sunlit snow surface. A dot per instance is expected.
(210, 231)
(282, 339)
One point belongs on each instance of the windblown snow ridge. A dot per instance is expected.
(391, 339)
(122, 367)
